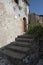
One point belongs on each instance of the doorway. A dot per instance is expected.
(24, 24)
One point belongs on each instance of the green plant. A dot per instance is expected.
(29, 28)
(36, 30)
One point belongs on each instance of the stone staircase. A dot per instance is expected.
(23, 51)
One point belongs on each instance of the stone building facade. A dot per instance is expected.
(41, 19)
(33, 18)
(12, 13)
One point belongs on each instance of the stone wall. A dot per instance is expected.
(41, 19)
(33, 18)
(10, 21)
(9, 27)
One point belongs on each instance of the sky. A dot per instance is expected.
(36, 6)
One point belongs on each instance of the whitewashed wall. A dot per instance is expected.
(10, 22)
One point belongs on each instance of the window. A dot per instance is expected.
(16, 1)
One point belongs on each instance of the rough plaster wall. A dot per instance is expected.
(25, 8)
(9, 26)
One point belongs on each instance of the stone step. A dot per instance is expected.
(32, 47)
(13, 54)
(24, 40)
(26, 44)
(26, 36)
(23, 44)
(18, 48)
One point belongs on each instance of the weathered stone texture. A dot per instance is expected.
(10, 22)
(33, 18)
(9, 27)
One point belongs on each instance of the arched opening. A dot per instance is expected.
(24, 24)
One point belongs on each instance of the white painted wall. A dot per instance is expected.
(10, 22)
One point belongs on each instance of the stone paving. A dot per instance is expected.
(24, 48)
(40, 62)
(4, 60)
